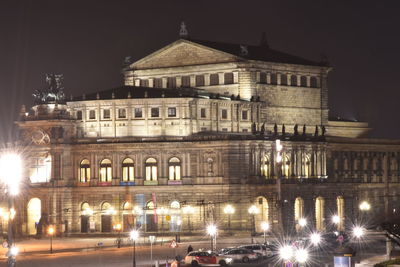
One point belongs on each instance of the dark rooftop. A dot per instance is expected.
(261, 52)
(124, 92)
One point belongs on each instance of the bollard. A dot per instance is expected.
(156, 264)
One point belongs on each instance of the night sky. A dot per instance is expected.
(87, 41)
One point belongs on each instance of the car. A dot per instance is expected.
(205, 258)
(241, 254)
(264, 251)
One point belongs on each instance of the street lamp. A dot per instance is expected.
(315, 238)
(365, 206)
(10, 176)
(212, 232)
(265, 228)
(118, 228)
(188, 210)
(358, 231)
(134, 235)
(335, 219)
(229, 210)
(253, 210)
(302, 222)
(51, 231)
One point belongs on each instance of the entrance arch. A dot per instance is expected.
(34, 212)
(320, 213)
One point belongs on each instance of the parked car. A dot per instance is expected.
(258, 248)
(241, 254)
(204, 258)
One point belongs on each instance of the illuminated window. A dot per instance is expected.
(105, 170)
(319, 213)
(171, 112)
(151, 169)
(40, 171)
(340, 212)
(174, 167)
(286, 167)
(84, 171)
(307, 166)
(128, 170)
(150, 205)
(265, 169)
(175, 205)
(298, 209)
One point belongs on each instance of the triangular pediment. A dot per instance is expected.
(183, 53)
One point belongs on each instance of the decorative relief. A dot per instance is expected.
(40, 137)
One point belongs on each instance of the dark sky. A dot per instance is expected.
(87, 41)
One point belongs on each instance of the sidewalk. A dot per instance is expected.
(370, 262)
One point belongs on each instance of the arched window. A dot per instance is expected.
(151, 169)
(199, 80)
(340, 212)
(174, 168)
(313, 82)
(265, 167)
(319, 213)
(150, 205)
(298, 209)
(175, 205)
(284, 80)
(293, 80)
(84, 171)
(105, 170)
(307, 166)
(286, 167)
(303, 81)
(228, 78)
(214, 79)
(128, 170)
(274, 79)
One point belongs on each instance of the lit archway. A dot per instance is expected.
(298, 211)
(319, 213)
(34, 212)
(340, 212)
(263, 212)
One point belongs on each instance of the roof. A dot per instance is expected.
(125, 92)
(262, 53)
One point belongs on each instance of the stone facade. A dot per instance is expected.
(193, 130)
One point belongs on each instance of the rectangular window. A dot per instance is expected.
(155, 112)
(203, 113)
(106, 114)
(244, 115)
(158, 83)
(200, 80)
(224, 129)
(224, 114)
(244, 130)
(79, 115)
(138, 113)
(122, 113)
(203, 129)
(171, 112)
(92, 114)
(185, 81)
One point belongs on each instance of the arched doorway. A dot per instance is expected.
(262, 215)
(175, 216)
(151, 219)
(298, 211)
(86, 212)
(34, 211)
(340, 212)
(106, 212)
(319, 213)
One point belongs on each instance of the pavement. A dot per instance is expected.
(76, 244)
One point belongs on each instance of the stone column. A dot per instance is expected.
(207, 79)
(221, 78)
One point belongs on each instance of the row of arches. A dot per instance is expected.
(286, 166)
(288, 79)
(128, 170)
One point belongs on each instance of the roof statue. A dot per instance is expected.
(127, 61)
(296, 130)
(243, 50)
(183, 33)
(54, 93)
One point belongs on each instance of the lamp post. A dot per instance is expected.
(212, 231)
(118, 228)
(163, 212)
(188, 210)
(278, 167)
(253, 210)
(10, 176)
(229, 210)
(51, 231)
(265, 228)
(134, 235)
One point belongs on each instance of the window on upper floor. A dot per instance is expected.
(121, 113)
(79, 115)
(40, 170)
(313, 82)
(84, 171)
(158, 83)
(174, 168)
(228, 78)
(138, 113)
(128, 170)
(200, 80)
(171, 112)
(224, 113)
(214, 79)
(245, 114)
(171, 82)
(265, 167)
(303, 81)
(186, 81)
(155, 112)
(106, 114)
(144, 83)
(274, 79)
(293, 80)
(203, 113)
(92, 114)
(284, 80)
(263, 77)
(151, 169)
(105, 171)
